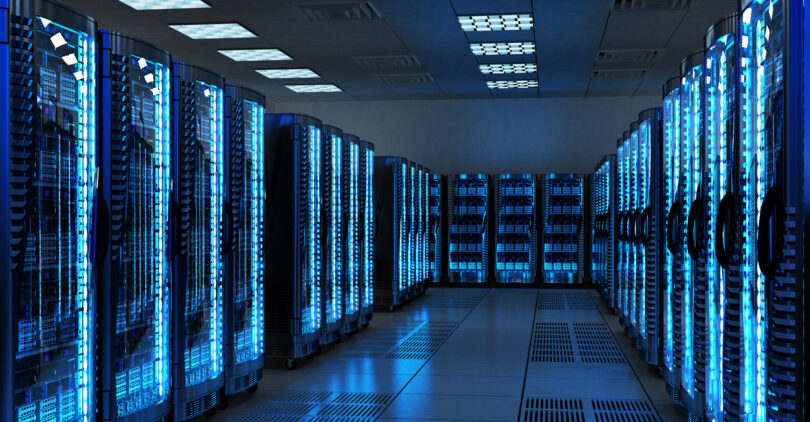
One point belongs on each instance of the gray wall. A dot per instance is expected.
(535, 135)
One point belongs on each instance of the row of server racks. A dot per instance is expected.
(403, 230)
(507, 229)
(320, 212)
(698, 221)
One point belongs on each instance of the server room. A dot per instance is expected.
(403, 210)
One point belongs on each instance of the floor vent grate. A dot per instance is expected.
(580, 301)
(596, 343)
(552, 410)
(623, 411)
(380, 341)
(551, 342)
(551, 301)
(425, 341)
(297, 406)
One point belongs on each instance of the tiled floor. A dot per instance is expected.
(471, 355)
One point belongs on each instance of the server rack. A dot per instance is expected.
(47, 360)
(650, 235)
(198, 196)
(635, 269)
(350, 235)
(243, 252)
(332, 253)
(391, 272)
(562, 236)
(717, 170)
(134, 328)
(603, 228)
(773, 209)
(411, 220)
(673, 283)
(623, 193)
(421, 224)
(292, 155)
(515, 230)
(366, 209)
(468, 246)
(437, 186)
(693, 371)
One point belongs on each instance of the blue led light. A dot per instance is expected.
(368, 242)
(311, 314)
(671, 120)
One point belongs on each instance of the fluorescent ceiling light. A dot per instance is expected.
(208, 31)
(499, 69)
(288, 73)
(256, 55)
(511, 84)
(502, 48)
(165, 4)
(496, 22)
(313, 88)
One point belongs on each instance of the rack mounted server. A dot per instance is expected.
(350, 234)
(515, 228)
(332, 257)
(603, 228)
(562, 235)
(468, 246)
(391, 241)
(437, 191)
(367, 232)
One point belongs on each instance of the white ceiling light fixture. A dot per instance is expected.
(210, 31)
(313, 88)
(165, 4)
(522, 22)
(256, 55)
(512, 84)
(502, 48)
(500, 69)
(288, 73)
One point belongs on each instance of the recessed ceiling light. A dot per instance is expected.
(496, 22)
(502, 48)
(511, 84)
(256, 55)
(165, 4)
(207, 31)
(314, 88)
(499, 69)
(288, 73)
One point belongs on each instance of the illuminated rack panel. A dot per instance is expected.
(468, 246)
(672, 315)
(48, 156)
(694, 294)
(197, 286)
(391, 234)
(716, 187)
(603, 226)
(436, 241)
(412, 225)
(350, 233)
(333, 256)
(293, 156)
(421, 227)
(367, 224)
(623, 232)
(635, 254)
(244, 245)
(562, 223)
(773, 203)
(515, 230)
(134, 327)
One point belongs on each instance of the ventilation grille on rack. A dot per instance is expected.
(341, 11)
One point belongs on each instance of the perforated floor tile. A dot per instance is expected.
(320, 406)
(562, 409)
(378, 342)
(425, 341)
(551, 342)
(596, 344)
(552, 409)
(623, 411)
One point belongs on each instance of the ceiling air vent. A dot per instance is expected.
(340, 11)
(639, 57)
(607, 75)
(406, 78)
(388, 62)
(649, 5)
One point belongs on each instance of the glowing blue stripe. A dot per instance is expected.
(671, 120)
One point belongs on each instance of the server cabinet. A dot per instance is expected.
(366, 210)
(243, 250)
(134, 324)
(635, 267)
(197, 289)
(515, 230)
(693, 373)
(717, 172)
(603, 228)
(48, 159)
(350, 234)
(672, 281)
(411, 222)
(437, 191)
(650, 235)
(421, 228)
(773, 194)
(391, 272)
(624, 206)
(468, 246)
(562, 236)
(332, 256)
